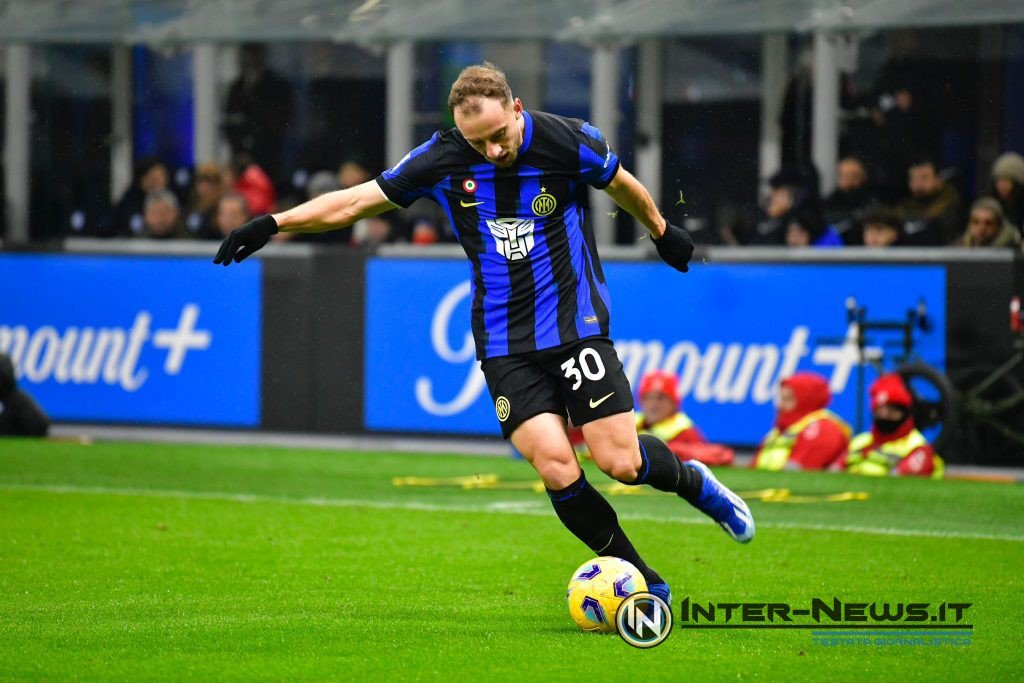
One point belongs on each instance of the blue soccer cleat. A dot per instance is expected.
(722, 505)
(662, 591)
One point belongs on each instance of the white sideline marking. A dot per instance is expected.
(508, 507)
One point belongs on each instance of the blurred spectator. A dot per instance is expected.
(906, 126)
(319, 183)
(881, 227)
(792, 190)
(807, 229)
(797, 114)
(322, 182)
(1008, 187)
(207, 190)
(987, 227)
(805, 436)
(424, 232)
(378, 231)
(162, 218)
(736, 227)
(250, 181)
(894, 446)
(232, 212)
(853, 194)
(662, 415)
(19, 414)
(127, 217)
(426, 222)
(352, 173)
(257, 112)
(933, 213)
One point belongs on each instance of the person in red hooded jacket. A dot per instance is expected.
(805, 436)
(662, 415)
(894, 446)
(249, 180)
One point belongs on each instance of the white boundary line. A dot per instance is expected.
(424, 444)
(514, 507)
(240, 437)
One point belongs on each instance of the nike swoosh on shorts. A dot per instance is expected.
(594, 404)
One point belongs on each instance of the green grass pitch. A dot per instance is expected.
(139, 562)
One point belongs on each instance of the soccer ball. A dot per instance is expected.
(597, 589)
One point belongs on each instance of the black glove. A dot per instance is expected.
(675, 247)
(246, 240)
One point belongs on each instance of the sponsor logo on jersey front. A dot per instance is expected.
(514, 236)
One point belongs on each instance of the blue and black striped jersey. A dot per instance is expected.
(536, 279)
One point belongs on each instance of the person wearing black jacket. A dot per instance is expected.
(853, 195)
(19, 414)
(258, 111)
(127, 218)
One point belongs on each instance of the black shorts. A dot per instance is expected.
(583, 379)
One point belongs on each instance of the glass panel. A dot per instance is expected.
(70, 152)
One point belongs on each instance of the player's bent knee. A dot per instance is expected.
(543, 442)
(557, 474)
(620, 468)
(556, 464)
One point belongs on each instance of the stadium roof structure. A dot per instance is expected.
(171, 22)
(663, 18)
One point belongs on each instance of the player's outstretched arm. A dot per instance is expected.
(673, 243)
(633, 198)
(335, 210)
(327, 212)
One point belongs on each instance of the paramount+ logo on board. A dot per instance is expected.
(730, 340)
(125, 338)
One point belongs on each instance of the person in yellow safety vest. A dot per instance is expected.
(663, 417)
(805, 435)
(894, 446)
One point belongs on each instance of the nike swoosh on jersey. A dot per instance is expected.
(594, 404)
(466, 204)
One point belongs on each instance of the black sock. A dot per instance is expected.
(591, 519)
(661, 469)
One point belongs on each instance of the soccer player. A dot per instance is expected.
(513, 183)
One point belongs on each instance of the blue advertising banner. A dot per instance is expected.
(730, 332)
(135, 339)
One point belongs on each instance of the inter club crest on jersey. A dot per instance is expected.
(514, 236)
(544, 204)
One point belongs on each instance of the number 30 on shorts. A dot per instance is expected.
(589, 362)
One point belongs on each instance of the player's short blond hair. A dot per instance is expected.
(480, 80)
